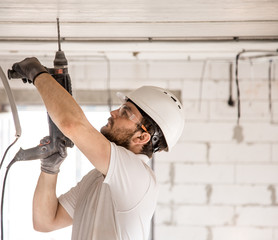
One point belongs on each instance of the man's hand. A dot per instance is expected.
(52, 163)
(29, 68)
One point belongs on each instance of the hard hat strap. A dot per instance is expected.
(155, 141)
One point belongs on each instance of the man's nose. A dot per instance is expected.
(114, 113)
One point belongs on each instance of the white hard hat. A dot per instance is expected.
(164, 108)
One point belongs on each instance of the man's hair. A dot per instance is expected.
(157, 141)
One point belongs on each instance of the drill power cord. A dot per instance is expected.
(18, 134)
(3, 196)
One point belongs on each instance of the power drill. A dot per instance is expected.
(60, 74)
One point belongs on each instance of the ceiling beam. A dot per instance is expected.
(83, 97)
(148, 30)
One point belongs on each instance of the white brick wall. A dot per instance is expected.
(185, 152)
(257, 216)
(203, 215)
(204, 173)
(213, 186)
(240, 153)
(240, 195)
(257, 174)
(275, 152)
(244, 233)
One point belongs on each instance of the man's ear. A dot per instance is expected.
(141, 138)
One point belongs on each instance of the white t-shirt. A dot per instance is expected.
(119, 206)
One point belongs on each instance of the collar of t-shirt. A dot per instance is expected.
(144, 158)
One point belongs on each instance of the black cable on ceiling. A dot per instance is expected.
(261, 54)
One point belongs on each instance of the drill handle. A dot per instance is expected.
(38, 152)
(64, 80)
(12, 74)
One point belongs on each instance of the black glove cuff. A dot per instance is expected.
(34, 78)
(49, 171)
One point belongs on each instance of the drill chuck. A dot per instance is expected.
(60, 60)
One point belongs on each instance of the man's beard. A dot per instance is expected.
(121, 137)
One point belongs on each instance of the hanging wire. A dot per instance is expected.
(231, 102)
(3, 196)
(274, 69)
(237, 87)
(239, 56)
(269, 87)
(2, 161)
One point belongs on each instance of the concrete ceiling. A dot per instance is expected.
(121, 29)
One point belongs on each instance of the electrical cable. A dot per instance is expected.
(269, 87)
(2, 161)
(230, 100)
(238, 56)
(3, 196)
(4, 184)
(237, 87)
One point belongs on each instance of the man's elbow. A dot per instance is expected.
(40, 227)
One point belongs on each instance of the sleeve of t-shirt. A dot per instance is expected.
(128, 178)
(68, 200)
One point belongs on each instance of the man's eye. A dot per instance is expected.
(124, 113)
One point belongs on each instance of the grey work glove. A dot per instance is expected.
(29, 68)
(52, 163)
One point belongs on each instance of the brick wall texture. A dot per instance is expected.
(219, 183)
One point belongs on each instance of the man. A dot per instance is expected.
(117, 199)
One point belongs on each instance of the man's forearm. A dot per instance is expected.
(62, 108)
(45, 203)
